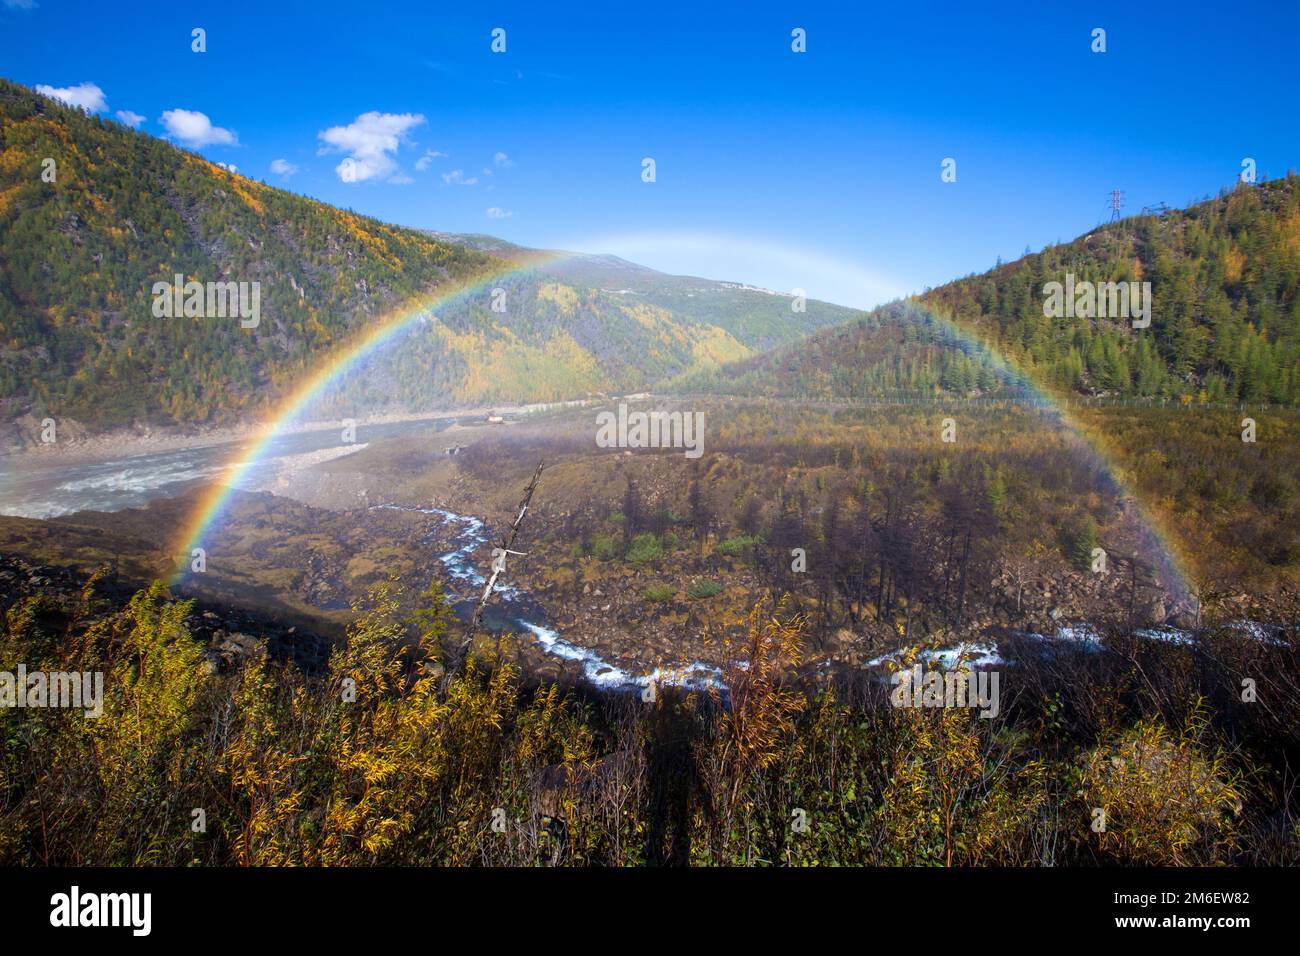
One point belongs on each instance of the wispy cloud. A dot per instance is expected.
(131, 119)
(457, 178)
(496, 212)
(195, 130)
(21, 4)
(282, 167)
(501, 159)
(429, 156)
(370, 142)
(87, 96)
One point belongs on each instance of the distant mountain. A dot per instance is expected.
(1224, 321)
(83, 241)
(758, 318)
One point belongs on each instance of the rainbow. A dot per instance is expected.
(339, 362)
(1162, 541)
(1162, 544)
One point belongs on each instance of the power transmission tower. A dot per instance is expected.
(1116, 203)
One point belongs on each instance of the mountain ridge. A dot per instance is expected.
(1224, 326)
(80, 254)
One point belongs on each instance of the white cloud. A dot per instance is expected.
(88, 96)
(429, 156)
(501, 159)
(132, 120)
(195, 130)
(457, 178)
(21, 4)
(282, 167)
(496, 212)
(230, 166)
(369, 141)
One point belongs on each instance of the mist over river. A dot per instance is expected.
(31, 488)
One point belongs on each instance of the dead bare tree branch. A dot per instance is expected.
(505, 547)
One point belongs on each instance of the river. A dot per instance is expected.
(30, 488)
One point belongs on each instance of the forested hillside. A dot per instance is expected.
(1225, 303)
(899, 349)
(80, 255)
(1224, 323)
(81, 248)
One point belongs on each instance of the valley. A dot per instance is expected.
(622, 445)
(642, 560)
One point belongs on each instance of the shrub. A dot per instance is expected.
(660, 593)
(1080, 540)
(738, 545)
(703, 589)
(1166, 801)
(604, 546)
(643, 550)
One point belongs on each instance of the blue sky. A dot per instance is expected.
(818, 170)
